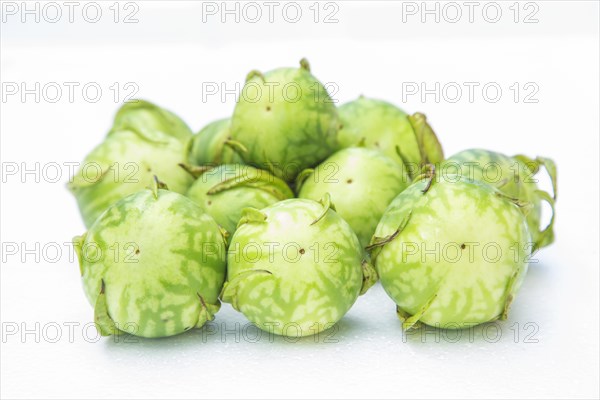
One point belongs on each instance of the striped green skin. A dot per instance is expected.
(129, 158)
(383, 126)
(510, 175)
(223, 192)
(362, 182)
(208, 146)
(452, 287)
(302, 294)
(157, 256)
(289, 131)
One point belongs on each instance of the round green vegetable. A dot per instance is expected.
(295, 268)
(381, 125)
(227, 189)
(514, 176)
(451, 253)
(286, 120)
(361, 182)
(152, 265)
(213, 146)
(144, 141)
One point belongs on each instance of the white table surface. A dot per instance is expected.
(169, 54)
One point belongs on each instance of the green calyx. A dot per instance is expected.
(255, 74)
(207, 311)
(79, 182)
(229, 294)
(369, 276)
(544, 236)
(104, 323)
(224, 234)
(301, 178)
(403, 160)
(224, 191)
(428, 173)
(78, 242)
(195, 171)
(213, 146)
(156, 186)
(327, 205)
(263, 180)
(429, 146)
(525, 206)
(412, 321)
(251, 215)
(236, 146)
(378, 242)
(304, 64)
(107, 327)
(510, 295)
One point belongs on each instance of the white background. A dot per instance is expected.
(170, 54)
